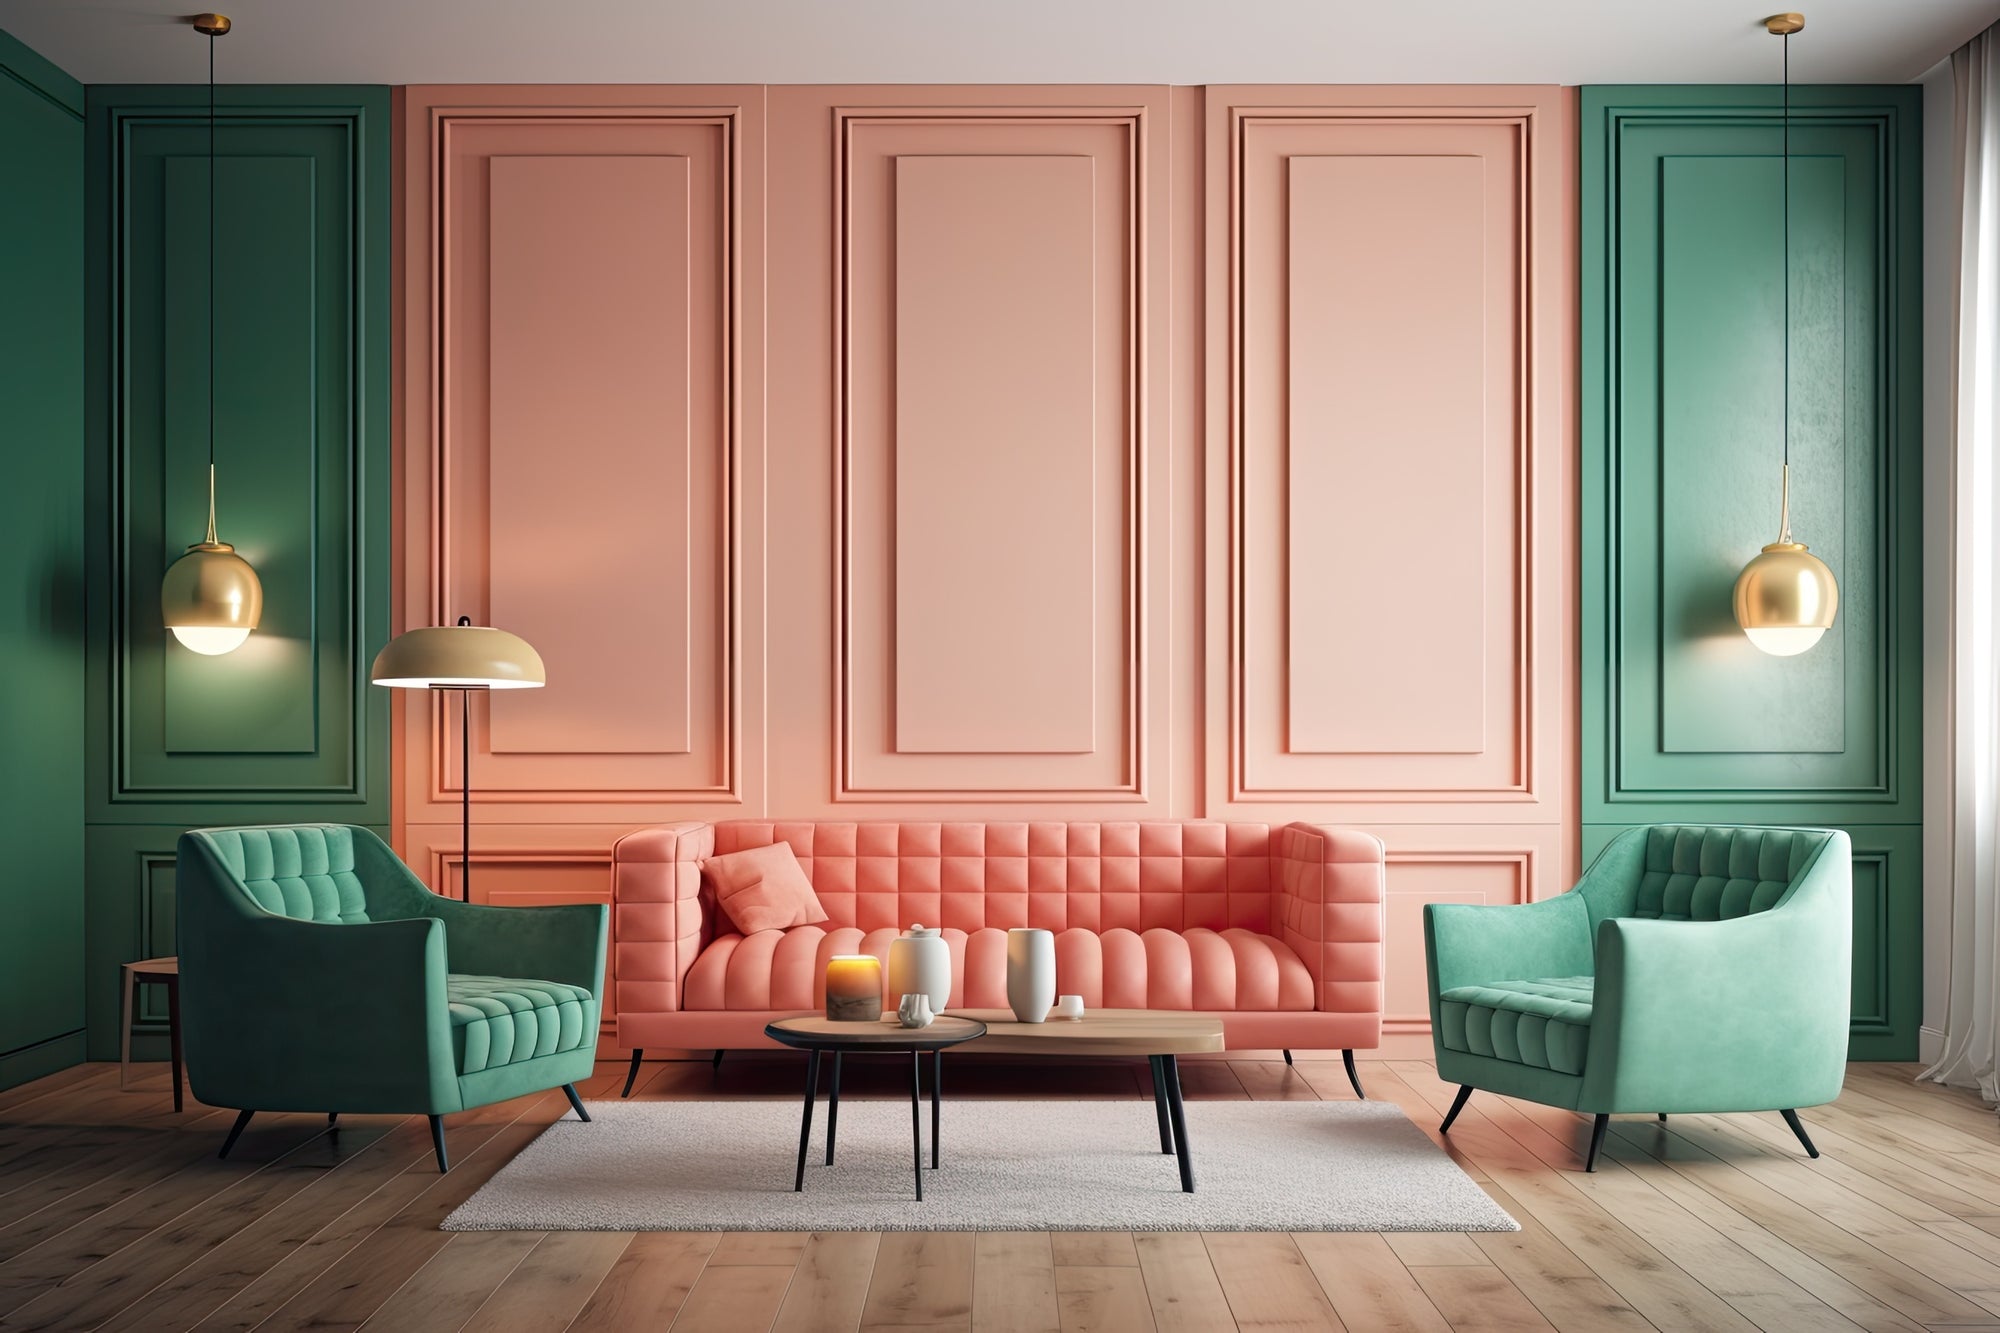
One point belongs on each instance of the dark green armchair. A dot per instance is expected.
(318, 974)
(1692, 969)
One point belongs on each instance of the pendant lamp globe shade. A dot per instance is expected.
(458, 657)
(211, 598)
(1786, 599)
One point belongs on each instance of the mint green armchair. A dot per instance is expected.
(1692, 969)
(319, 974)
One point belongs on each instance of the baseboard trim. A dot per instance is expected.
(1930, 1045)
(40, 1060)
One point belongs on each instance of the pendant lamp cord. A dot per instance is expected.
(1785, 214)
(211, 288)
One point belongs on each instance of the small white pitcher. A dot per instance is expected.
(915, 1010)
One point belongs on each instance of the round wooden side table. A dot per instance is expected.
(161, 971)
(816, 1036)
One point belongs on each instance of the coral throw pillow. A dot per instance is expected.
(763, 888)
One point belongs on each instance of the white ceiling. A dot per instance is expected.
(995, 41)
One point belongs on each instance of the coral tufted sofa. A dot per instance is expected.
(1278, 930)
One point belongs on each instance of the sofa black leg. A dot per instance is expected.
(437, 1142)
(235, 1132)
(576, 1102)
(632, 1074)
(1457, 1105)
(332, 1119)
(1288, 1056)
(1597, 1128)
(716, 1063)
(1347, 1058)
(1792, 1119)
(1663, 1117)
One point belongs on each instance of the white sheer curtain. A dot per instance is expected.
(1972, 1024)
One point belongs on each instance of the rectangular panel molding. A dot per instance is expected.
(584, 455)
(1388, 439)
(994, 428)
(301, 438)
(995, 282)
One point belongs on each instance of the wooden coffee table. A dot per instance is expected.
(1160, 1035)
(816, 1036)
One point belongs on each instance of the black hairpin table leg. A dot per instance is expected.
(833, 1109)
(937, 1094)
(806, 1122)
(1178, 1116)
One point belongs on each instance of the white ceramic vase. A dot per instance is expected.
(1031, 973)
(921, 961)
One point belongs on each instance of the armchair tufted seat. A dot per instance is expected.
(499, 1021)
(1544, 1024)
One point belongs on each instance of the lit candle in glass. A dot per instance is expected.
(854, 988)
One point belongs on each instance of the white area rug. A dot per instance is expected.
(1008, 1166)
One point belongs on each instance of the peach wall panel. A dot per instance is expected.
(1389, 440)
(994, 451)
(589, 449)
(837, 242)
(1390, 428)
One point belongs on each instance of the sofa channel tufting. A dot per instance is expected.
(1277, 930)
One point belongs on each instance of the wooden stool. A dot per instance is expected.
(166, 972)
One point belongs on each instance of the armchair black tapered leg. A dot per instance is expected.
(1288, 1055)
(1347, 1058)
(632, 1074)
(235, 1132)
(437, 1143)
(1597, 1128)
(1457, 1105)
(1792, 1119)
(576, 1102)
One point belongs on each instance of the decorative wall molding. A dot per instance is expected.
(1279, 495)
(871, 763)
(287, 719)
(641, 592)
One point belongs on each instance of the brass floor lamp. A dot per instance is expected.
(463, 657)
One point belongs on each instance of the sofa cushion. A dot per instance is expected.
(763, 888)
(1223, 971)
(1542, 1023)
(503, 1020)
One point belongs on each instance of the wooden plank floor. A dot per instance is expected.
(114, 1213)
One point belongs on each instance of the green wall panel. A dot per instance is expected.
(41, 552)
(286, 727)
(1684, 408)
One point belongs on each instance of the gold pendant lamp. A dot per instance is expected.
(1786, 596)
(211, 598)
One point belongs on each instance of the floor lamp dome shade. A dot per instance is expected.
(211, 598)
(1786, 598)
(459, 657)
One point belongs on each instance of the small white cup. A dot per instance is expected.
(1068, 1006)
